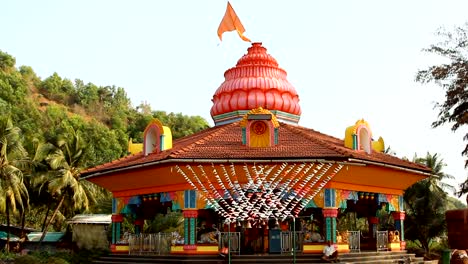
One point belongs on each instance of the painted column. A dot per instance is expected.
(117, 220)
(190, 220)
(330, 212)
(373, 225)
(399, 218)
(190, 228)
(138, 225)
(330, 215)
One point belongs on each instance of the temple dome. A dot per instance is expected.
(255, 81)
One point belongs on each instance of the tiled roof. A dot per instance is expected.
(225, 143)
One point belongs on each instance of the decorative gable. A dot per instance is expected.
(156, 137)
(259, 128)
(359, 137)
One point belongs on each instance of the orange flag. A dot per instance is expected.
(231, 22)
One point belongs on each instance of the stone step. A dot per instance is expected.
(364, 257)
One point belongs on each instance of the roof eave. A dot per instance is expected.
(422, 171)
(194, 160)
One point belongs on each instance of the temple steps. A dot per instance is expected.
(363, 257)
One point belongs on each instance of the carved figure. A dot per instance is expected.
(342, 237)
(209, 237)
(312, 237)
(176, 238)
(393, 236)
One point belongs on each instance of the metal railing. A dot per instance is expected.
(149, 244)
(382, 240)
(235, 241)
(354, 241)
(287, 242)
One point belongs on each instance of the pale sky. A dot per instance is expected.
(347, 59)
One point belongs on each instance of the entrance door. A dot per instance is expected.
(254, 241)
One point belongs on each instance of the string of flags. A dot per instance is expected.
(270, 191)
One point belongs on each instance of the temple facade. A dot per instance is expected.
(258, 181)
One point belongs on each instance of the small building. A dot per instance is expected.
(259, 174)
(90, 230)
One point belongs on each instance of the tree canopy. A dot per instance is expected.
(426, 202)
(452, 76)
(50, 115)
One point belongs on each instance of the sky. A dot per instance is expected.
(348, 60)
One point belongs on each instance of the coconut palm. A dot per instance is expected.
(437, 177)
(64, 181)
(38, 177)
(13, 158)
(426, 203)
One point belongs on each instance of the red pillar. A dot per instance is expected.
(399, 218)
(190, 226)
(373, 222)
(330, 215)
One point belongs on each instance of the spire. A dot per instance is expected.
(255, 81)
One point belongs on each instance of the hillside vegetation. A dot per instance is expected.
(52, 111)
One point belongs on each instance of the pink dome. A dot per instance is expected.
(255, 81)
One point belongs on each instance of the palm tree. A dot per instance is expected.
(426, 203)
(13, 158)
(437, 165)
(38, 177)
(64, 181)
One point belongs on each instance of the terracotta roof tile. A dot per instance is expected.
(225, 142)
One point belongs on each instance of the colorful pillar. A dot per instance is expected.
(330, 215)
(373, 225)
(190, 220)
(399, 218)
(330, 212)
(138, 225)
(190, 225)
(117, 220)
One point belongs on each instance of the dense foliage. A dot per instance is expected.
(64, 126)
(426, 202)
(452, 76)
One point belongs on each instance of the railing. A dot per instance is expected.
(354, 241)
(382, 240)
(287, 242)
(150, 244)
(234, 241)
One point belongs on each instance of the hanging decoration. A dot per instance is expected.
(267, 191)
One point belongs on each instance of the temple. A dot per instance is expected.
(258, 181)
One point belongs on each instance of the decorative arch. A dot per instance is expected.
(359, 137)
(364, 139)
(152, 137)
(259, 128)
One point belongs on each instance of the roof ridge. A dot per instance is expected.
(297, 130)
(203, 138)
(119, 160)
(352, 153)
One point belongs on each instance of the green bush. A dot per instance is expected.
(4, 255)
(27, 259)
(56, 260)
(65, 255)
(84, 256)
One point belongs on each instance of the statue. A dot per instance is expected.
(312, 237)
(394, 236)
(209, 238)
(342, 237)
(176, 238)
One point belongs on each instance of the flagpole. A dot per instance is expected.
(229, 242)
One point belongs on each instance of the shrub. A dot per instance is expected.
(56, 260)
(4, 255)
(27, 259)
